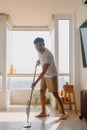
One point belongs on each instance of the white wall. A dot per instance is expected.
(81, 16)
(21, 96)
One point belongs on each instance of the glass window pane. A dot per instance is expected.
(63, 80)
(21, 83)
(24, 53)
(63, 32)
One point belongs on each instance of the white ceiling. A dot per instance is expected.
(36, 12)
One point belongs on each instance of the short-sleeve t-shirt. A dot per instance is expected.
(47, 58)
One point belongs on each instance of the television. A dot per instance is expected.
(84, 1)
(83, 37)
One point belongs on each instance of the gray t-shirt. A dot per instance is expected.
(47, 57)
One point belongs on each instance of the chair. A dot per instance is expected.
(68, 96)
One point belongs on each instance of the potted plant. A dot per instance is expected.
(37, 96)
(47, 100)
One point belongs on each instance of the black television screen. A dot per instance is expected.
(83, 36)
(85, 1)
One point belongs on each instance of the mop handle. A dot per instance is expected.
(35, 72)
(33, 82)
(31, 92)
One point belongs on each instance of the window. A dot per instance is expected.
(63, 35)
(63, 46)
(24, 54)
(21, 82)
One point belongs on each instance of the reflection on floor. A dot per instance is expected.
(15, 116)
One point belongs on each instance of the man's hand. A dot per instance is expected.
(38, 62)
(33, 85)
(44, 69)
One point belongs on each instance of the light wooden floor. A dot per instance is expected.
(15, 116)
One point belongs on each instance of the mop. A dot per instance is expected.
(27, 123)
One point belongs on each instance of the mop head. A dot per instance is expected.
(27, 124)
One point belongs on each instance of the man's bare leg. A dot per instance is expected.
(42, 100)
(58, 100)
(63, 115)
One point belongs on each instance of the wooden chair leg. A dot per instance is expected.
(70, 107)
(75, 102)
(56, 105)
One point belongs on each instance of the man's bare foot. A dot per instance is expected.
(41, 115)
(64, 116)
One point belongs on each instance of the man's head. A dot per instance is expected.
(39, 44)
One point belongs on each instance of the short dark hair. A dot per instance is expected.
(38, 40)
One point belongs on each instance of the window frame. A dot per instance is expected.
(64, 17)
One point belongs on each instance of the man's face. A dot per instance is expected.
(39, 47)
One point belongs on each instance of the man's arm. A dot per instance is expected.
(44, 69)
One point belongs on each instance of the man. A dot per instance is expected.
(48, 77)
